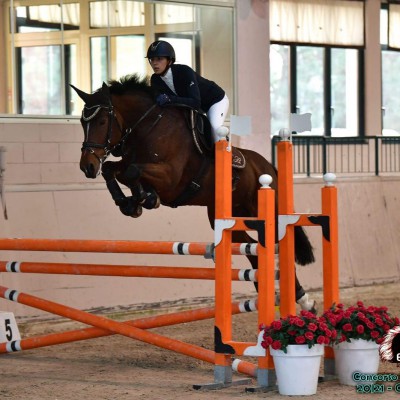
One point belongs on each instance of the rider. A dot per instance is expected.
(180, 84)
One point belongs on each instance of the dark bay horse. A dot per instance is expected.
(161, 161)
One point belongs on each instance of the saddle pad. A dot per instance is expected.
(238, 160)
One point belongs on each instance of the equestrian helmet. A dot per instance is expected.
(161, 48)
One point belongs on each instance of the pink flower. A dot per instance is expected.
(268, 341)
(276, 345)
(300, 339)
(347, 327)
(374, 334)
(321, 339)
(277, 325)
(309, 335)
(312, 327)
(328, 332)
(299, 322)
(360, 329)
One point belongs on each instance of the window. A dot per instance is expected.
(322, 81)
(315, 59)
(88, 42)
(390, 45)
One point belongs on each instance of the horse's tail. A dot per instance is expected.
(304, 252)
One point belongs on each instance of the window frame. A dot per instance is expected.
(327, 84)
(81, 38)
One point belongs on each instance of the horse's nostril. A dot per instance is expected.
(91, 171)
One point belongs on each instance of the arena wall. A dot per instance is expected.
(47, 196)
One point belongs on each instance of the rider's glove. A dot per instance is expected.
(163, 99)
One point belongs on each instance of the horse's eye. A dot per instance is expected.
(102, 121)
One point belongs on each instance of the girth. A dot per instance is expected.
(193, 187)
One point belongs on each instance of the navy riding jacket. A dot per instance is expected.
(191, 88)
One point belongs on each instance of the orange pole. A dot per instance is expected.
(110, 246)
(266, 266)
(103, 246)
(223, 258)
(142, 323)
(330, 250)
(110, 325)
(286, 244)
(143, 271)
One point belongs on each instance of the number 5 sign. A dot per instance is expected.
(8, 328)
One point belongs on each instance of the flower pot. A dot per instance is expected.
(297, 370)
(359, 355)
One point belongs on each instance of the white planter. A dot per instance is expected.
(356, 356)
(297, 371)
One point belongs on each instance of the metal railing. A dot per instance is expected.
(316, 155)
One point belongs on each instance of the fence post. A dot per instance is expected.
(376, 155)
(286, 207)
(330, 256)
(223, 260)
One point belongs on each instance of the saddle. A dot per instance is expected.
(201, 130)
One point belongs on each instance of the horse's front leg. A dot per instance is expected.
(129, 206)
(146, 195)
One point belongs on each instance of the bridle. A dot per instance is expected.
(106, 146)
(90, 146)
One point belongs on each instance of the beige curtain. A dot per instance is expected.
(394, 25)
(52, 13)
(331, 22)
(122, 13)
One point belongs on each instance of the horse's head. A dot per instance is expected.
(98, 120)
(109, 124)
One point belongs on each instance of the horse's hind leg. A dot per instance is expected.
(302, 297)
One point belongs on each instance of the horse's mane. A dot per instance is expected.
(130, 84)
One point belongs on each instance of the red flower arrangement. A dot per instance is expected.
(306, 328)
(358, 322)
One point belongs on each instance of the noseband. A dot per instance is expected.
(90, 146)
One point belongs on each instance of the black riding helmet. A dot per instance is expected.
(161, 48)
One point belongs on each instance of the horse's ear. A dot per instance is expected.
(84, 96)
(105, 88)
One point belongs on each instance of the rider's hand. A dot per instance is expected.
(163, 99)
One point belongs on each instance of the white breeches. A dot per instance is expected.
(216, 115)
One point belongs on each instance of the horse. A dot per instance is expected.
(162, 160)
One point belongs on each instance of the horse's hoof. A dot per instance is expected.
(152, 201)
(307, 304)
(130, 208)
(138, 212)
